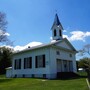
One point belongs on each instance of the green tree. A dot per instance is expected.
(86, 49)
(5, 58)
(83, 63)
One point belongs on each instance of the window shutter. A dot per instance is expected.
(15, 64)
(24, 62)
(19, 63)
(30, 62)
(43, 60)
(36, 62)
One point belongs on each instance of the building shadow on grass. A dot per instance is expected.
(68, 76)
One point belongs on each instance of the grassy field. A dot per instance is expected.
(42, 84)
(83, 74)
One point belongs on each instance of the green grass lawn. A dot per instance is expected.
(42, 84)
(82, 74)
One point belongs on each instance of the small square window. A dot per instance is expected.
(70, 55)
(57, 52)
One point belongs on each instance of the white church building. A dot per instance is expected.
(46, 60)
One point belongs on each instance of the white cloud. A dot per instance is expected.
(31, 44)
(51, 38)
(7, 46)
(66, 36)
(7, 34)
(19, 48)
(64, 30)
(77, 35)
(4, 33)
(87, 33)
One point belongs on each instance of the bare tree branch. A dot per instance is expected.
(87, 48)
(3, 26)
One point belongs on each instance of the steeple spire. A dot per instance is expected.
(57, 22)
(57, 29)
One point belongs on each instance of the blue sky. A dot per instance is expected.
(31, 20)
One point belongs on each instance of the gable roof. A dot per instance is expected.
(69, 44)
(38, 46)
(49, 44)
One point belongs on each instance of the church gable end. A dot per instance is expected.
(65, 44)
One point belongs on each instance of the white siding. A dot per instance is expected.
(53, 69)
(32, 54)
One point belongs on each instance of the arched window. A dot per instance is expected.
(60, 33)
(54, 32)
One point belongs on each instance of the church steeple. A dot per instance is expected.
(57, 29)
